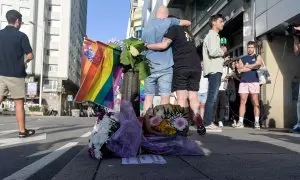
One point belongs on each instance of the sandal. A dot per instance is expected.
(27, 133)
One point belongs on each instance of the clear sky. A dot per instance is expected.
(107, 19)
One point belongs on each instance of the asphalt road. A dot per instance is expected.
(57, 141)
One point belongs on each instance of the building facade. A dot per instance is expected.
(56, 29)
(263, 21)
(135, 19)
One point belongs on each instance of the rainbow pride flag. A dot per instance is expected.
(100, 73)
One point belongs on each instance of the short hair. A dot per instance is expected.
(251, 43)
(214, 18)
(12, 16)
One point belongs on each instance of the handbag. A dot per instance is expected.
(263, 74)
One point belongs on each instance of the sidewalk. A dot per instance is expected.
(233, 154)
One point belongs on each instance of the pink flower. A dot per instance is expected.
(180, 123)
(155, 121)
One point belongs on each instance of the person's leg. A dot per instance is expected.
(193, 81)
(254, 91)
(296, 127)
(20, 114)
(202, 99)
(164, 83)
(182, 96)
(222, 107)
(213, 89)
(150, 88)
(216, 109)
(16, 87)
(244, 92)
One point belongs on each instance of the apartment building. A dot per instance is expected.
(135, 19)
(56, 29)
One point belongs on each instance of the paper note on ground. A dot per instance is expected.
(144, 159)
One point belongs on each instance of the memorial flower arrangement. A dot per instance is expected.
(171, 120)
(106, 125)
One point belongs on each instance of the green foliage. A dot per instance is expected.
(131, 55)
(35, 108)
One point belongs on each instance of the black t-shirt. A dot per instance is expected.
(184, 50)
(13, 45)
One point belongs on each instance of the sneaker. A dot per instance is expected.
(234, 123)
(213, 128)
(220, 124)
(256, 125)
(239, 125)
(296, 128)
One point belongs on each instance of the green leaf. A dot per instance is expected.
(144, 70)
(126, 57)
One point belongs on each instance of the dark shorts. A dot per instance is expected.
(184, 79)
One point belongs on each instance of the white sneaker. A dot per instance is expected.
(256, 125)
(239, 125)
(296, 128)
(213, 128)
(234, 123)
(220, 124)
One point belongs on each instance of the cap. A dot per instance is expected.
(13, 15)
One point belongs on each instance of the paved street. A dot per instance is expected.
(42, 156)
(234, 154)
(58, 151)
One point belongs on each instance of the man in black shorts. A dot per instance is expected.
(187, 66)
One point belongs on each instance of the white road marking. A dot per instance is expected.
(31, 169)
(13, 141)
(86, 135)
(14, 131)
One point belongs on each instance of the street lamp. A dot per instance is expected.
(42, 60)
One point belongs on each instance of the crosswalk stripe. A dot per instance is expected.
(13, 141)
(86, 135)
(31, 169)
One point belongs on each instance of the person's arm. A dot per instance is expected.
(167, 40)
(27, 50)
(241, 68)
(213, 46)
(296, 46)
(160, 46)
(180, 22)
(185, 23)
(256, 65)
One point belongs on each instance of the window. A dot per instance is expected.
(138, 32)
(52, 52)
(50, 84)
(55, 8)
(53, 23)
(25, 12)
(4, 9)
(51, 67)
(53, 38)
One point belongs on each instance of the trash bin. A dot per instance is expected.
(75, 112)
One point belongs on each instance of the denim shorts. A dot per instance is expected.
(159, 83)
(202, 97)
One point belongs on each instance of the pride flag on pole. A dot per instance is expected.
(100, 73)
